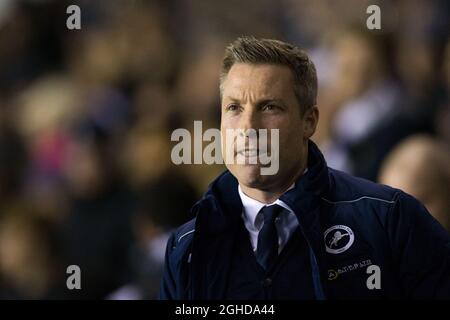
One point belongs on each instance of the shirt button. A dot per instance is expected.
(267, 282)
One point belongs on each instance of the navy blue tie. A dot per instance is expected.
(267, 248)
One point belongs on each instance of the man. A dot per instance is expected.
(307, 231)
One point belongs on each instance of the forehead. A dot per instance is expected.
(258, 79)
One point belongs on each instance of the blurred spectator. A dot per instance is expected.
(163, 205)
(13, 159)
(420, 166)
(360, 99)
(442, 117)
(147, 155)
(97, 231)
(30, 258)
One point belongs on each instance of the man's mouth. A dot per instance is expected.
(250, 153)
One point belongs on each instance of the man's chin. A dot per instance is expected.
(250, 176)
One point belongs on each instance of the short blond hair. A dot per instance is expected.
(267, 51)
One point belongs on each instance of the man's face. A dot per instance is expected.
(262, 97)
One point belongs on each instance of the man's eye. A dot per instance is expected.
(233, 107)
(270, 107)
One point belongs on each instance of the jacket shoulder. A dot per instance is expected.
(348, 188)
(183, 235)
(174, 280)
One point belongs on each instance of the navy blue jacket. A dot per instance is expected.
(366, 240)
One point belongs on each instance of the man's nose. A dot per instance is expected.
(249, 120)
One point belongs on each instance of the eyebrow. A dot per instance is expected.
(266, 101)
(260, 102)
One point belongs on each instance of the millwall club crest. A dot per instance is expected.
(338, 239)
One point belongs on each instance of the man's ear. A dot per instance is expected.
(310, 118)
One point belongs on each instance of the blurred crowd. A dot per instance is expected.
(86, 118)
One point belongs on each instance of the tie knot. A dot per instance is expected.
(270, 213)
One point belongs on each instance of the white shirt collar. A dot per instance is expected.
(252, 206)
